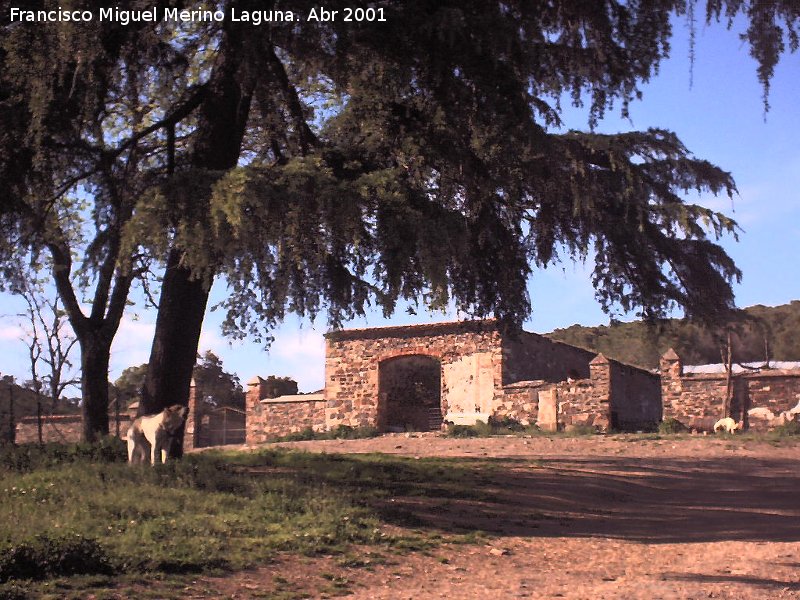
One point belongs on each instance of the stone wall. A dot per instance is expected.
(529, 356)
(387, 378)
(469, 353)
(697, 400)
(268, 417)
(614, 395)
(62, 428)
(519, 401)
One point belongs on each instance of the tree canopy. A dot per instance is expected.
(330, 165)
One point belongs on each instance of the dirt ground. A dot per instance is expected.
(583, 518)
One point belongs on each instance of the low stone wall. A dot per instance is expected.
(614, 395)
(519, 401)
(271, 417)
(62, 428)
(697, 399)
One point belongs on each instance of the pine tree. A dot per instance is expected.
(326, 166)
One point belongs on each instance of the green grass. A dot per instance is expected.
(342, 432)
(67, 514)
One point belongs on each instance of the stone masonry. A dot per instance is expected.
(416, 377)
(696, 399)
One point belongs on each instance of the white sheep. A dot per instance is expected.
(761, 412)
(728, 424)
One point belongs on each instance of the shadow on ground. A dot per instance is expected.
(644, 500)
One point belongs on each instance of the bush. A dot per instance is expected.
(479, 429)
(44, 556)
(581, 430)
(341, 432)
(499, 424)
(29, 457)
(672, 425)
(787, 429)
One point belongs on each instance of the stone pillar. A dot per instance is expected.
(192, 430)
(671, 370)
(600, 376)
(254, 412)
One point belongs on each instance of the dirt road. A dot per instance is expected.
(588, 517)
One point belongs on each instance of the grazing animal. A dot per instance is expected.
(761, 412)
(728, 424)
(154, 431)
(795, 410)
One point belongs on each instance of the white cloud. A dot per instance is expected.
(299, 344)
(11, 332)
(131, 345)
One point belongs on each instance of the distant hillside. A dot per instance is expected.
(764, 329)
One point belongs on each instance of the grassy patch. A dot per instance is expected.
(342, 432)
(501, 426)
(66, 515)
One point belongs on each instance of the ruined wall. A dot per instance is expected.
(614, 395)
(267, 417)
(469, 353)
(697, 399)
(62, 428)
(528, 356)
(482, 374)
(519, 401)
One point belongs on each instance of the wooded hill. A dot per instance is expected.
(760, 331)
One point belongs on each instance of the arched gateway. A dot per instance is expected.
(412, 377)
(410, 394)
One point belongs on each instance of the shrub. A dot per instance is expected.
(671, 425)
(479, 429)
(299, 436)
(341, 432)
(44, 556)
(501, 424)
(29, 457)
(581, 430)
(787, 429)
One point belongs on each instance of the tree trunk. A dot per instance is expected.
(94, 387)
(222, 118)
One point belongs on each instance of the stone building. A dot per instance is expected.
(695, 395)
(417, 377)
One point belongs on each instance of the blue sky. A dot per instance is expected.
(719, 117)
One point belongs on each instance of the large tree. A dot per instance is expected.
(80, 139)
(326, 165)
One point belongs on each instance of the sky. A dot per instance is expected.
(715, 106)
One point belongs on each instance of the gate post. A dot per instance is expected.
(192, 431)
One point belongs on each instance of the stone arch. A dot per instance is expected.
(410, 393)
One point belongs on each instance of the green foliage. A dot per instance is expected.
(129, 384)
(792, 428)
(340, 432)
(502, 426)
(44, 557)
(641, 343)
(672, 425)
(30, 457)
(213, 381)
